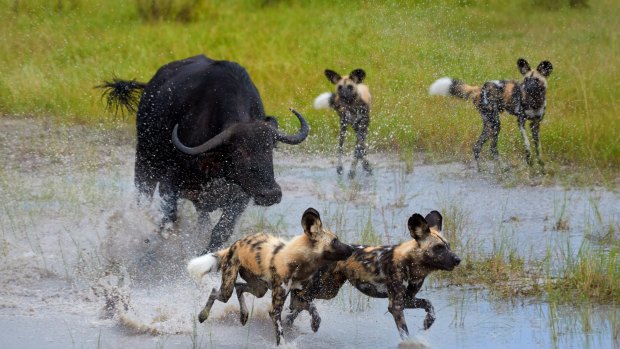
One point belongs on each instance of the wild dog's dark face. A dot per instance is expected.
(325, 242)
(427, 232)
(535, 81)
(346, 86)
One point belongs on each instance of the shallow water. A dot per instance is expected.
(67, 213)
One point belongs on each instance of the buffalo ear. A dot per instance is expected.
(358, 75)
(273, 122)
(523, 66)
(332, 76)
(434, 220)
(545, 68)
(311, 222)
(418, 227)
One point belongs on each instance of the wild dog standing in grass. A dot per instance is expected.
(267, 262)
(525, 99)
(395, 272)
(352, 103)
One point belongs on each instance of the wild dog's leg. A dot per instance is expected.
(526, 141)
(278, 296)
(411, 302)
(324, 284)
(484, 136)
(396, 296)
(298, 303)
(495, 126)
(258, 289)
(226, 225)
(341, 136)
(229, 274)
(535, 127)
(361, 131)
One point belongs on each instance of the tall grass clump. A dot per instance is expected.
(590, 275)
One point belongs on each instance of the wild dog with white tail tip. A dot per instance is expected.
(525, 99)
(352, 103)
(267, 262)
(395, 272)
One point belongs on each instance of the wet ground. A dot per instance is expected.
(71, 239)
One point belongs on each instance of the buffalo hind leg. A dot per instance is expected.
(169, 195)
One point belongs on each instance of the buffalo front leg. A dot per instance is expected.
(226, 225)
(169, 196)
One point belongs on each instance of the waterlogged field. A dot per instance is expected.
(76, 271)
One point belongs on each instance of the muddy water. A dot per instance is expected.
(71, 240)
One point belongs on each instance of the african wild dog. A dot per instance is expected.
(524, 99)
(267, 262)
(395, 272)
(352, 103)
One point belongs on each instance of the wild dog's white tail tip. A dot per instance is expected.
(322, 101)
(202, 265)
(441, 87)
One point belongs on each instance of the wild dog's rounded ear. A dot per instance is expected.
(311, 222)
(358, 75)
(434, 219)
(418, 227)
(332, 76)
(545, 68)
(523, 66)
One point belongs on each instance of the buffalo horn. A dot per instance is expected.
(298, 137)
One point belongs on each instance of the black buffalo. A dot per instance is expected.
(202, 135)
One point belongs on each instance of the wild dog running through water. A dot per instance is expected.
(395, 272)
(352, 103)
(525, 99)
(267, 262)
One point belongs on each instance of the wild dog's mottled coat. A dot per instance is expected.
(525, 99)
(267, 262)
(395, 272)
(352, 103)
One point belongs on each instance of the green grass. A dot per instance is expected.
(52, 53)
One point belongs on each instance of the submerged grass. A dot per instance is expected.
(590, 275)
(53, 53)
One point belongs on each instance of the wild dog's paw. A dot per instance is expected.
(339, 169)
(316, 323)
(243, 317)
(204, 314)
(429, 320)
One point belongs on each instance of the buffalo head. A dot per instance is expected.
(243, 154)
